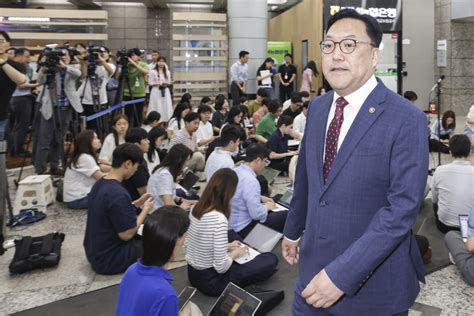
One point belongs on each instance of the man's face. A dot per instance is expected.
(66, 58)
(261, 164)
(245, 59)
(288, 59)
(278, 112)
(205, 116)
(135, 58)
(348, 72)
(154, 57)
(192, 126)
(131, 168)
(25, 58)
(144, 145)
(4, 45)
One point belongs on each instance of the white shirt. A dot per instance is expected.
(299, 123)
(453, 190)
(108, 147)
(286, 105)
(204, 131)
(104, 77)
(78, 180)
(161, 183)
(152, 164)
(356, 99)
(217, 160)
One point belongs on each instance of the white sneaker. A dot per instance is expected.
(451, 258)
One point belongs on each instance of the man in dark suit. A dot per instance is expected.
(359, 185)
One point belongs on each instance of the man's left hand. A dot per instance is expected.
(321, 292)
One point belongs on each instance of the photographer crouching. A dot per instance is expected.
(96, 72)
(57, 100)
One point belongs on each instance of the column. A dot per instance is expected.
(248, 30)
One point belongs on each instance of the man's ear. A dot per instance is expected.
(375, 56)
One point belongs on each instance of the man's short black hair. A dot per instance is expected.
(261, 92)
(135, 135)
(126, 152)
(21, 51)
(288, 55)
(5, 36)
(296, 97)
(204, 108)
(191, 116)
(372, 27)
(254, 151)
(242, 53)
(304, 94)
(460, 146)
(134, 51)
(230, 133)
(284, 120)
(266, 101)
(306, 104)
(161, 231)
(410, 95)
(274, 105)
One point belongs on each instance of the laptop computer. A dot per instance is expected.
(463, 226)
(283, 204)
(235, 301)
(260, 239)
(270, 174)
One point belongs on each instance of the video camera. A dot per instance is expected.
(123, 55)
(93, 54)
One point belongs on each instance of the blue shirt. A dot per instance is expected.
(246, 203)
(147, 290)
(470, 224)
(110, 212)
(239, 72)
(278, 143)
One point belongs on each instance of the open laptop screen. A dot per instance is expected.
(235, 301)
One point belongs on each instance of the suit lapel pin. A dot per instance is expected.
(372, 110)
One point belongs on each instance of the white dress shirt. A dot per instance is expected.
(299, 123)
(204, 131)
(356, 99)
(218, 159)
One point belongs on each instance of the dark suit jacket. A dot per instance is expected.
(358, 225)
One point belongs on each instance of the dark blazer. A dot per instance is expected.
(358, 225)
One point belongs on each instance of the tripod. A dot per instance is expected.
(94, 84)
(123, 78)
(5, 200)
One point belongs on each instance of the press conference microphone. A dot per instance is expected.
(437, 83)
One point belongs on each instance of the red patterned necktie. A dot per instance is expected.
(332, 136)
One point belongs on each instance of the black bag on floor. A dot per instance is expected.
(270, 299)
(36, 252)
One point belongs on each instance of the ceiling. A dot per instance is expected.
(275, 6)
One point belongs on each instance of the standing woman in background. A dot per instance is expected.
(307, 81)
(159, 79)
(262, 75)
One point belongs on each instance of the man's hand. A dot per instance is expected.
(2, 58)
(290, 251)
(265, 199)
(148, 204)
(132, 62)
(141, 200)
(233, 245)
(270, 205)
(321, 292)
(62, 65)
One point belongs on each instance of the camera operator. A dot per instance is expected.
(22, 103)
(58, 98)
(97, 58)
(11, 75)
(137, 81)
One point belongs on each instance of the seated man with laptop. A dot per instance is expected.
(461, 247)
(249, 207)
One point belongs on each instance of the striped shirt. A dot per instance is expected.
(207, 242)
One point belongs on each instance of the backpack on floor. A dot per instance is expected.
(36, 252)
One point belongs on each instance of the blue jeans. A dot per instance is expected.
(79, 204)
(3, 129)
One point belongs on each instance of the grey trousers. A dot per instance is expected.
(464, 260)
(50, 140)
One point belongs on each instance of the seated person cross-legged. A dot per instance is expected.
(453, 185)
(248, 205)
(221, 157)
(162, 183)
(278, 144)
(462, 252)
(110, 241)
(146, 287)
(209, 254)
(82, 171)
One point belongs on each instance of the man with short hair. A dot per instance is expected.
(295, 107)
(287, 75)
(11, 53)
(410, 96)
(187, 136)
(453, 185)
(136, 184)
(205, 132)
(221, 157)
(267, 125)
(249, 207)
(300, 121)
(11, 75)
(254, 105)
(305, 96)
(111, 242)
(22, 104)
(359, 185)
(278, 144)
(137, 81)
(238, 77)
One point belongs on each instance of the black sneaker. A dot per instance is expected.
(56, 172)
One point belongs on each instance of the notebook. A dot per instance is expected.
(260, 239)
(235, 301)
(463, 226)
(189, 180)
(283, 203)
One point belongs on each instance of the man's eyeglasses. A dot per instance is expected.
(2, 40)
(346, 46)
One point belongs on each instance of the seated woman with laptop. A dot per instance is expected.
(210, 256)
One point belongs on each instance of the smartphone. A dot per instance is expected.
(186, 294)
